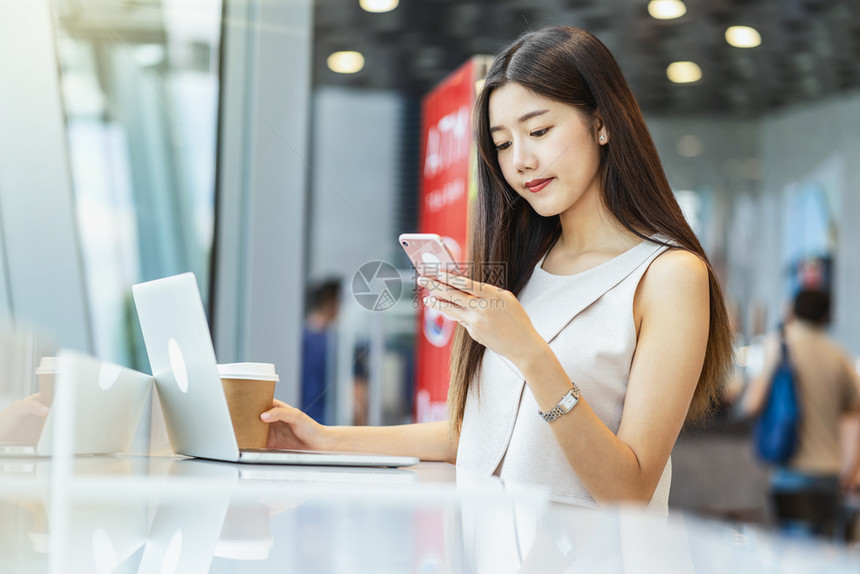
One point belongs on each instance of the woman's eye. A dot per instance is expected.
(539, 133)
(503, 146)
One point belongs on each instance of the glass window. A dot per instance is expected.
(140, 91)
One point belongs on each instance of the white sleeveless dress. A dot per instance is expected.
(587, 318)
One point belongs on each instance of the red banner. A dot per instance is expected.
(447, 183)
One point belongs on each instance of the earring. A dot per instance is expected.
(602, 138)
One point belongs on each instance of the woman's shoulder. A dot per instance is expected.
(678, 261)
(674, 274)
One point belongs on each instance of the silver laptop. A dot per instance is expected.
(108, 402)
(183, 364)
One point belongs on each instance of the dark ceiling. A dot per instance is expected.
(810, 48)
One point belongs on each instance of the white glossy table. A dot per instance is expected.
(167, 514)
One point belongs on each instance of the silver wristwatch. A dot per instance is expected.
(564, 406)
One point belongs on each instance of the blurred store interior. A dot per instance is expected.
(145, 138)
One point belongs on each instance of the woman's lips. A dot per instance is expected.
(536, 185)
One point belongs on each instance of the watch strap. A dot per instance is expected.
(564, 406)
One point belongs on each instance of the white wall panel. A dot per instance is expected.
(354, 182)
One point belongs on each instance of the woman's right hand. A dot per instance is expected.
(290, 428)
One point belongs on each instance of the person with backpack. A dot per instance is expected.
(805, 486)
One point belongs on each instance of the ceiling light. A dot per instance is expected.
(378, 5)
(743, 37)
(684, 72)
(345, 62)
(666, 9)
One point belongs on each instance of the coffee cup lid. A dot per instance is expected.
(48, 366)
(250, 371)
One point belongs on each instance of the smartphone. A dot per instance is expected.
(428, 254)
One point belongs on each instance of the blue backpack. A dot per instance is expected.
(775, 433)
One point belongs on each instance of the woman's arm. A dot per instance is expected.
(290, 428)
(851, 479)
(427, 441)
(673, 307)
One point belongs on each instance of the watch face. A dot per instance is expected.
(568, 401)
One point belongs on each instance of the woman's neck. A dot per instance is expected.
(588, 226)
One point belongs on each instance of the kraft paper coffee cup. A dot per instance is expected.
(46, 374)
(249, 388)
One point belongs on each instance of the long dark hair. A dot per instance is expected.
(571, 66)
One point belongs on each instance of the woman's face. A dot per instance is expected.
(546, 149)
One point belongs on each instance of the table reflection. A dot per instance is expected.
(21, 422)
(26, 387)
(163, 515)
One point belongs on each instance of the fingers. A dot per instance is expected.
(32, 406)
(282, 412)
(445, 292)
(465, 284)
(447, 308)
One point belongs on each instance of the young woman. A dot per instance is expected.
(577, 371)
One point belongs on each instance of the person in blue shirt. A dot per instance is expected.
(318, 347)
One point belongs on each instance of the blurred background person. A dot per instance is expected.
(318, 347)
(360, 384)
(805, 489)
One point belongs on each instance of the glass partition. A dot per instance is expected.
(140, 91)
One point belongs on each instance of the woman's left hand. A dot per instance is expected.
(492, 315)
